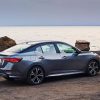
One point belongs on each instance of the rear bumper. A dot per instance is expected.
(8, 73)
(2, 73)
(11, 71)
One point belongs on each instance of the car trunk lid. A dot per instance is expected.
(4, 54)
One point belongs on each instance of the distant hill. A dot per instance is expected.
(6, 42)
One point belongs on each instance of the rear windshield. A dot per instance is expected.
(18, 48)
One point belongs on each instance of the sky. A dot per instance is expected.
(49, 12)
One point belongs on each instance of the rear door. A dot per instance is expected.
(50, 59)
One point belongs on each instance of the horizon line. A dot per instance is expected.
(43, 25)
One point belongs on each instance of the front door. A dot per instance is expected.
(69, 57)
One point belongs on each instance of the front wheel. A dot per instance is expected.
(35, 76)
(93, 68)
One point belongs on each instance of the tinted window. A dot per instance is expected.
(48, 48)
(38, 49)
(65, 48)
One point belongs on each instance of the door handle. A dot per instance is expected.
(64, 57)
(41, 57)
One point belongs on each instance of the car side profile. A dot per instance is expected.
(33, 61)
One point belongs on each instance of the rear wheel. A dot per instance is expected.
(36, 75)
(93, 68)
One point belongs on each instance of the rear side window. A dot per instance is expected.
(38, 49)
(48, 48)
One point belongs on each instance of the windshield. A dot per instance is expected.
(17, 48)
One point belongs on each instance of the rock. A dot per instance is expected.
(6, 42)
(82, 45)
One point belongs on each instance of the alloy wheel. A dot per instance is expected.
(36, 75)
(93, 68)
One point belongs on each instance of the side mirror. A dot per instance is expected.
(78, 51)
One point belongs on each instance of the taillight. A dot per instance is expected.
(13, 60)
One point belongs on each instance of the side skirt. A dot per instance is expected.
(62, 74)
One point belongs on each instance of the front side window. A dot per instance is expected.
(65, 48)
(48, 48)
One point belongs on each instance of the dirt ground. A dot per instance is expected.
(74, 87)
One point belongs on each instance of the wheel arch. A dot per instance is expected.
(34, 65)
(92, 59)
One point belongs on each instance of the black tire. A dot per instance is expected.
(93, 68)
(36, 76)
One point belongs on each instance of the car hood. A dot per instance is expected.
(88, 53)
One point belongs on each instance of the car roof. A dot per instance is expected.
(41, 41)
